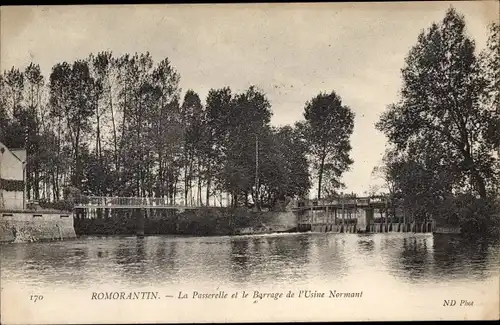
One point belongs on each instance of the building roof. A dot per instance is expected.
(19, 153)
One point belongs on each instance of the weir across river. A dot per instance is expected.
(354, 215)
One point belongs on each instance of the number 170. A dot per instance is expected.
(35, 298)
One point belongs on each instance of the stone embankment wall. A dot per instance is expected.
(31, 226)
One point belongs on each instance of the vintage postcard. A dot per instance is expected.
(250, 162)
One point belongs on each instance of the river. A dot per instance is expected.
(421, 269)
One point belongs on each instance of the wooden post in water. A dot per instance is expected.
(404, 220)
(327, 219)
(349, 219)
(312, 218)
(386, 218)
(335, 217)
(343, 215)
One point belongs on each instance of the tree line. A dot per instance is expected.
(117, 126)
(444, 132)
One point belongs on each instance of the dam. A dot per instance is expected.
(375, 214)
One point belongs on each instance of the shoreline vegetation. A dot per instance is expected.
(117, 126)
(444, 132)
(200, 222)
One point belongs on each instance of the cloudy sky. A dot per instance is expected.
(290, 51)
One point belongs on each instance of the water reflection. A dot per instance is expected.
(268, 258)
(249, 260)
(413, 258)
(332, 254)
(439, 258)
(459, 258)
(366, 245)
(240, 264)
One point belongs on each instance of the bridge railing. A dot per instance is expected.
(125, 201)
(360, 201)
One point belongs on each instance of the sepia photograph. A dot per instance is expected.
(279, 162)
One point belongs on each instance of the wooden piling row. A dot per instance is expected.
(414, 227)
(331, 228)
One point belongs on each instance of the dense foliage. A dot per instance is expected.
(117, 126)
(444, 130)
(328, 127)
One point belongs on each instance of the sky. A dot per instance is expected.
(290, 51)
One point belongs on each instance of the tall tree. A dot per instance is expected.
(215, 135)
(490, 71)
(34, 81)
(101, 68)
(248, 118)
(78, 112)
(166, 126)
(58, 100)
(328, 129)
(283, 166)
(12, 108)
(490, 64)
(14, 82)
(440, 101)
(192, 113)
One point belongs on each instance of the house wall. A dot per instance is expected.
(11, 200)
(11, 167)
(11, 170)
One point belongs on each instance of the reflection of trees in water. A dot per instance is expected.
(331, 254)
(366, 245)
(146, 260)
(123, 253)
(42, 263)
(166, 254)
(289, 249)
(240, 264)
(267, 257)
(59, 255)
(130, 256)
(286, 257)
(455, 256)
(164, 262)
(414, 258)
(448, 257)
(289, 255)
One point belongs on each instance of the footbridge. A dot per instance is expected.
(138, 208)
(375, 202)
(103, 202)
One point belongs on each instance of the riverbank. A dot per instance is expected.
(199, 222)
(43, 224)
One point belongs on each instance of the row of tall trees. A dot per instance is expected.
(445, 129)
(117, 126)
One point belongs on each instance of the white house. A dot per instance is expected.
(12, 162)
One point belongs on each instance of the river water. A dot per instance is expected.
(421, 269)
